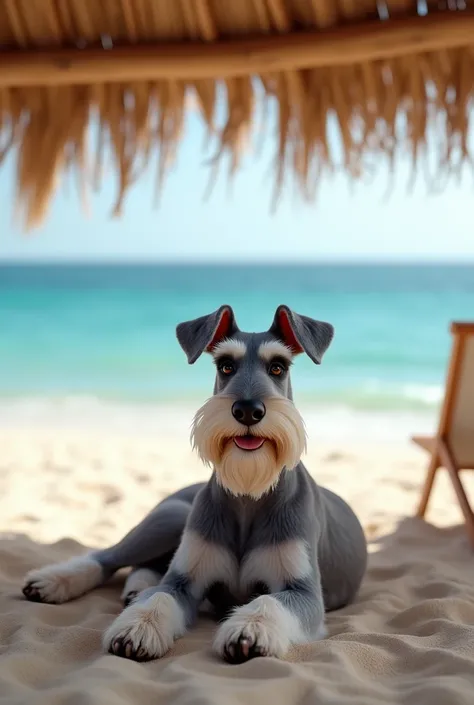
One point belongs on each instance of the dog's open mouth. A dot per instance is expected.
(249, 442)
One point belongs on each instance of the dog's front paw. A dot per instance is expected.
(146, 629)
(64, 581)
(264, 627)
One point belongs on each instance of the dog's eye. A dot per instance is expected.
(276, 370)
(227, 368)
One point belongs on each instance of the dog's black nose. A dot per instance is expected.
(248, 412)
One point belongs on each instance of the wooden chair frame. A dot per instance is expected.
(439, 446)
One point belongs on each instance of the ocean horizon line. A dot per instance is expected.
(255, 262)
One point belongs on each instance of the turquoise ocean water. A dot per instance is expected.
(107, 332)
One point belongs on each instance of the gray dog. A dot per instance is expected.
(260, 542)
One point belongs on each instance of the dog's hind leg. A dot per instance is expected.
(154, 539)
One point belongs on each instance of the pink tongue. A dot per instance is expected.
(248, 442)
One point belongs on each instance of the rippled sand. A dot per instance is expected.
(409, 637)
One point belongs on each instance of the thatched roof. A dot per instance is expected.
(383, 69)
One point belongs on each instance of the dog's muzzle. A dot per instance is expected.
(248, 457)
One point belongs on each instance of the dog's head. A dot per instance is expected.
(250, 429)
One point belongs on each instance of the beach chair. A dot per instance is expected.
(453, 445)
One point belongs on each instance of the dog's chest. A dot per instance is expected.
(261, 570)
(241, 584)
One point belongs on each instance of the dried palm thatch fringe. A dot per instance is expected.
(380, 106)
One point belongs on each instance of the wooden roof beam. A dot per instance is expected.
(366, 41)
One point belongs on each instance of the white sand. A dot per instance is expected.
(94, 486)
(409, 638)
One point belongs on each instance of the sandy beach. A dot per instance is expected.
(64, 490)
(94, 482)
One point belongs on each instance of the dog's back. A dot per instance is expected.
(342, 549)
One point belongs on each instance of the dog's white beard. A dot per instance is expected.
(243, 472)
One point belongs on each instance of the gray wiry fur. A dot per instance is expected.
(270, 566)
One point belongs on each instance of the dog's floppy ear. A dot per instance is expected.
(203, 334)
(302, 334)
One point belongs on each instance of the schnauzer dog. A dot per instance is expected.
(261, 542)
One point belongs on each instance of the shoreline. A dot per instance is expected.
(324, 424)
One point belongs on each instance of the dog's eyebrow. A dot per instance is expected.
(231, 347)
(272, 348)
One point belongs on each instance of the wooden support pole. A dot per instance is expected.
(447, 459)
(433, 467)
(366, 41)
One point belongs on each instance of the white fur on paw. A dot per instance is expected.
(264, 627)
(146, 630)
(61, 582)
(139, 580)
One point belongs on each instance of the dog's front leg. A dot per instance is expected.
(148, 627)
(270, 624)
